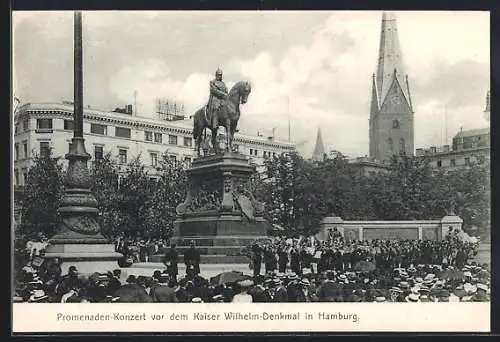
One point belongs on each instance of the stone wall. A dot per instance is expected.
(388, 230)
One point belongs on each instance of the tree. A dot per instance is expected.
(134, 194)
(42, 194)
(167, 192)
(105, 187)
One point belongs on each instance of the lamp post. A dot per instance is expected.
(79, 240)
(78, 208)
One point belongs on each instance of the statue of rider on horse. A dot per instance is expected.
(223, 109)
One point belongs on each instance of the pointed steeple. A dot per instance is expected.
(390, 58)
(319, 149)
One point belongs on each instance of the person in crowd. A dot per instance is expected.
(164, 292)
(295, 264)
(192, 257)
(256, 259)
(400, 271)
(241, 292)
(170, 261)
(283, 252)
(270, 259)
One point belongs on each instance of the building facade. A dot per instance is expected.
(391, 123)
(471, 147)
(40, 127)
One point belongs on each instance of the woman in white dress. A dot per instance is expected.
(243, 296)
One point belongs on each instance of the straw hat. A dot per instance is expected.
(245, 283)
(482, 287)
(430, 276)
(305, 282)
(38, 295)
(396, 289)
(380, 299)
(412, 297)
(469, 288)
(424, 298)
(196, 300)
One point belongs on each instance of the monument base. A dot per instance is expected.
(88, 254)
(220, 212)
(220, 239)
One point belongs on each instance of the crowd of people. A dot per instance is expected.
(295, 270)
(139, 249)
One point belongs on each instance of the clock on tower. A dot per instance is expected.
(395, 100)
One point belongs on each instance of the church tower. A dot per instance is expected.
(391, 113)
(319, 149)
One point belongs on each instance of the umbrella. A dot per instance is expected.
(228, 277)
(364, 266)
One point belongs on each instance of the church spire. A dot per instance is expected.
(390, 58)
(319, 150)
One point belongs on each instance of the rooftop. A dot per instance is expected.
(473, 132)
(183, 124)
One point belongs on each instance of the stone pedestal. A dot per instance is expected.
(220, 213)
(79, 241)
(88, 253)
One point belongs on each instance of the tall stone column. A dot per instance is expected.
(79, 240)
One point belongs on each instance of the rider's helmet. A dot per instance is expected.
(218, 72)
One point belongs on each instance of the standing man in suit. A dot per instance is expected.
(192, 257)
(256, 259)
(170, 261)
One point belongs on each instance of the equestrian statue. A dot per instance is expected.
(223, 109)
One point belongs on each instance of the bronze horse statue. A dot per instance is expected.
(229, 115)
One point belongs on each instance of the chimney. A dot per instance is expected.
(129, 109)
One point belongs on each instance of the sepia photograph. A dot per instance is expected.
(249, 157)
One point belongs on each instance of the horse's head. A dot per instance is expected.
(243, 89)
(246, 90)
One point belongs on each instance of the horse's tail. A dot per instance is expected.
(198, 123)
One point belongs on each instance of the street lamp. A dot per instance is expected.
(78, 209)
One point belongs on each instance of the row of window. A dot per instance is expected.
(467, 161)
(121, 132)
(265, 154)
(123, 156)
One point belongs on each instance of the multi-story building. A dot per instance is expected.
(43, 126)
(471, 147)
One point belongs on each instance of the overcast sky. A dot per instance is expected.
(321, 61)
